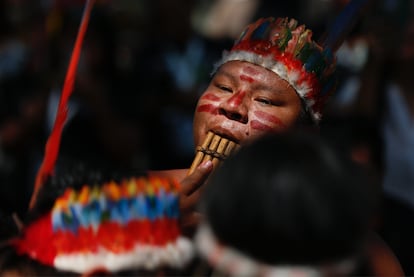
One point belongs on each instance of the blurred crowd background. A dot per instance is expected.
(145, 63)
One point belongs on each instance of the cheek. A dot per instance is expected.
(206, 107)
(208, 104)
(259, 126)
(209, 96)
(198, 128)
(276, 118)
(269, 119)
(263, 121)
(266, 122)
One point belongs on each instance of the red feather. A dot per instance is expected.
(53, 142)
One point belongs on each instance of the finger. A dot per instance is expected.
(189, 202)
(193, 181)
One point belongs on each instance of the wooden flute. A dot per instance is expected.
(214, 148)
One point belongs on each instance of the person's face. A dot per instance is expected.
(243, 102)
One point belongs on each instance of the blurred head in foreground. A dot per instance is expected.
(287, 203)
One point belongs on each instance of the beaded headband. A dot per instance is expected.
(232, 262)
(113, 227)
(287, 49)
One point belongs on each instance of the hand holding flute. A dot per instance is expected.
(209, 155)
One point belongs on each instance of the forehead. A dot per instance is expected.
(258, 76)
(258, 73)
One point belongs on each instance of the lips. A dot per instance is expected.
(227, 136)
(228, 131)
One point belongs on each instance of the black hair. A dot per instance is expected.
(290, 198)
(305, 118)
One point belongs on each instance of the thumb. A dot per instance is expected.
(193, 181)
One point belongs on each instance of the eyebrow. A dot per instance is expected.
(265, 87)
(258, 85)
(227, 74)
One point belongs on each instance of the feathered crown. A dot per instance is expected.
(287, 49)
(128, 225)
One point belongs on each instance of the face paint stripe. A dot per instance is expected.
(257, 125)
(208, 108)
(210, 96)
(268, 117)
(247, 78)
(251, 71)
(237, 98)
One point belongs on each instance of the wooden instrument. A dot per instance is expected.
(214, 148)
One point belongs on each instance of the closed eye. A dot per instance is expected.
(266, 101)
(224, 88)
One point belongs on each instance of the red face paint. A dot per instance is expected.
(207, 108)
(251, 71)
(237, 98)
(268, 117)
(210, 96)
(246, 78)
(257, 125)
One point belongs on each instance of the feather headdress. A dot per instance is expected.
(286, 48)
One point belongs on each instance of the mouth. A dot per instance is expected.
(226, 135)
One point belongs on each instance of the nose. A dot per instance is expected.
(235, 108)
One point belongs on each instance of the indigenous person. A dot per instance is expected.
(275, 77)
(288, 204)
